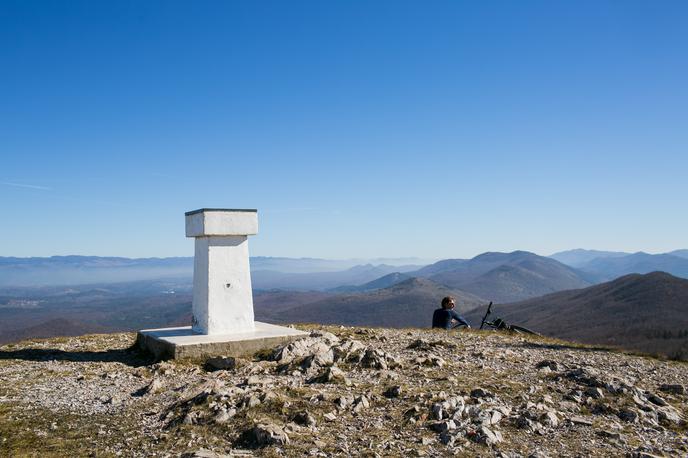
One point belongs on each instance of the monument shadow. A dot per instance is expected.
(131, 356)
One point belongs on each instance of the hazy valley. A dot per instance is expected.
(574, 295)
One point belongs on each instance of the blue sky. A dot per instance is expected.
(357, 129)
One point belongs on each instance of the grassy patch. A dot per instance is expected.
(29, 431)
(43, 433)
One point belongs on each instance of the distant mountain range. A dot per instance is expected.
(27, 312)
(500, 277)
(679, 253)
(379, 283)
(268, 279)
(641, 263)
(79, 270)
(408, 299)
(580, 257)
(647, 312)
(269, 272)
(406, 304)
(505, 277)
(607, 265)
(36, 312)
(311, 265)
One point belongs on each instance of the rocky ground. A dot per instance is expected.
(343, 391)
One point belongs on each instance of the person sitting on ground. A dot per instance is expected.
(445, 316)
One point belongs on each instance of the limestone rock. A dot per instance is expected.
(153, 387)
(378, 359)
(653, 398)
(361, 403)
(437, 411)
(444, 426)
(582, 402)
(414, 413)
(550, 419)
(349, 351)
(393, 392)
(224, 415)
(487, 436)
(642, 402)
(580, 421)
(668, 414)
(575, 396)
(614, 435)
(551, 364)
(305, 419)
(251, 401)
(326, 336)
(673, 388)
(587, 376)
(481, 393)
(595, 393)
(268, 434)
(628, 415)
(220, 363)
(644, 454)
(318, 360)
(316, 344)
(203, 453)
(423, 345)
(256, 380)
(331, 374)
(430, 361)
(343, 402)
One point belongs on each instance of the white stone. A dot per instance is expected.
(211, 221)
(223, 321)
(222, 293)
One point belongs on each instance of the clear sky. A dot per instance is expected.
(357, 129)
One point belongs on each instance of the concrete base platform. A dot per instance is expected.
(182, 342)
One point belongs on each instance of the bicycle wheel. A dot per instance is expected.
(523, 330)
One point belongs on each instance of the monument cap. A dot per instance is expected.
(206, 222)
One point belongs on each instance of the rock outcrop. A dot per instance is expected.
(344, 391)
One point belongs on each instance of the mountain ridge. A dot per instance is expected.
(531, 275)
(607, 265)
(409, 303)
(640, 263)
(645, 312)
(580, 256)
(379, 283)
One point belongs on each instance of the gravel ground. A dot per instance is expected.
(343, 391)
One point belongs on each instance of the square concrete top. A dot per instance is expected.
(206, 222)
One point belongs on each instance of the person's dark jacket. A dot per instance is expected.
(442, 318)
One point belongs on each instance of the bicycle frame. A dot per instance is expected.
(500, 325)
(489, 310)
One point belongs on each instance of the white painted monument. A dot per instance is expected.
(222, 307)
(222, 295)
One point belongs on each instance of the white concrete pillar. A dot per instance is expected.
(222, 293)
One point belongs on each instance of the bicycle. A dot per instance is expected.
(500, 325)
